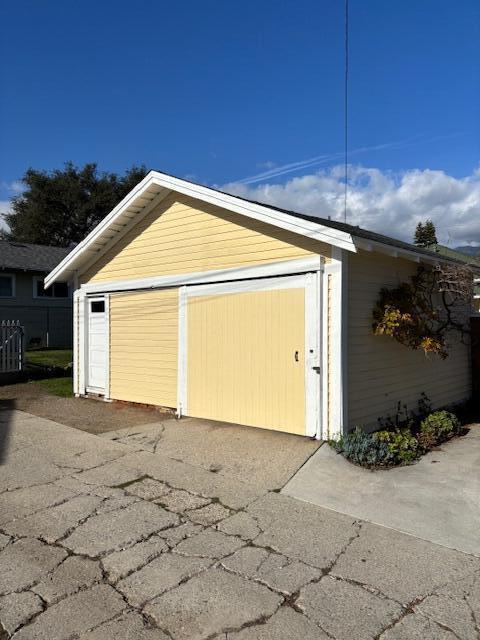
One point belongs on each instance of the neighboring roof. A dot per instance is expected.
(466, 258)
(24, 256)
(156, 186)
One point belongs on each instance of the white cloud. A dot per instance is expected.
(268, 165)
(5, 207)
(14, 187)
(386, 202)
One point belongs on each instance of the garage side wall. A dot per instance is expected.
(144, 347)
(382, 372)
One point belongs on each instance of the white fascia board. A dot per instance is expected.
(69, 262)
(395, 252)
(313, 230)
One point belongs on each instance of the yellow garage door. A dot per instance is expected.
(144, 347)
(246, 358)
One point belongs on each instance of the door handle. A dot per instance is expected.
(296, 356)
(317, 369)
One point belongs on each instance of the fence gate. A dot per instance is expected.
(11, 346)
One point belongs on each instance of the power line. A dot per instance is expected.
(345, 111)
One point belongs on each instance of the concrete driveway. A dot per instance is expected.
(102, 539)
(437, 499)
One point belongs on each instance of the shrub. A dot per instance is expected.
(438, 427)
(402, 445)
(382, 448)
(363, 448)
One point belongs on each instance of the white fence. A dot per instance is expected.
(12, 346)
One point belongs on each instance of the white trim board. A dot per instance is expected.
(155, 186)
(285, 267)
(334, 342)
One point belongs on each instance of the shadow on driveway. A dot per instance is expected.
(7, 406)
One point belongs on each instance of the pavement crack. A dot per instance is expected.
(358, 529)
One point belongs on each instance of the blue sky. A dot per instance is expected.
(221, 91)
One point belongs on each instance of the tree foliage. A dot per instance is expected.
(62, 206)
(422, 312)
(425, 234)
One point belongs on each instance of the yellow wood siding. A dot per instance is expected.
(241, 358)
(144, 347)
(382, 372)
(184, 235)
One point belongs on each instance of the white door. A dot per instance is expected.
(97, 345)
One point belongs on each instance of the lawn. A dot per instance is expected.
(62, 387)
(50, 357)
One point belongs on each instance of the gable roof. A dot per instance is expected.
(24, 256)
(156, 186)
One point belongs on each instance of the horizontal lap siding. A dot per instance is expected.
(144, 347)
(184, 235)
(382, 372)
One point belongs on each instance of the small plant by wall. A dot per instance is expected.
(403, 438)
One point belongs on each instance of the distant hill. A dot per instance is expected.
(471, 251)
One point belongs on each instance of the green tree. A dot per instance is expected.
(61, 207)
(425, 234)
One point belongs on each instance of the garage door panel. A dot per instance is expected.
(144, 347)
(241, 358)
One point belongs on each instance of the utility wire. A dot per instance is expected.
(345, 111)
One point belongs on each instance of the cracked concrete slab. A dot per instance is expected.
(345, 611)
(22, 502)
(160, 575)
(178, 500)
(456, 615)
(268, 459)
(209, 544)
(305, 532)
(232, 493)
(401, 566)
(28, 467)
(112, 531)
(208, 515)
(26, 561)
(276, 571)
(53, 523)
(278, 555)
(4, 540)
(210, 603)
(174, 535)
(286, 624)
(130, 626)
(73, 615)
(73, 574)
(16, 609)
(148, 489)
(240, 524)
(121, 563)
(416, 627)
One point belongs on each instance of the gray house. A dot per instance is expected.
(46, 315)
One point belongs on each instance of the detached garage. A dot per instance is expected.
(231, 310)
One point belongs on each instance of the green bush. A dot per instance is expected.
(402, 445)
(381, 448)
(397, 446)
(438, 427)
